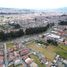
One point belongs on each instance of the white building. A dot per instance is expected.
(53, 36)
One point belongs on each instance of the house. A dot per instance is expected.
(10, 57)
(65, 42)
(17, 61)
(57, 57)
(65, 61)
(53, 36)
(24, 57)
(1, 52)
(16, 54)
(24, 51)
(43, 60)
(1, 61)
(2, 65)
(55, 32)
(33, 64)
(10, 50)
(28, 61)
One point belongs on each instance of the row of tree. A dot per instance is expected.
(52, 42)
(11, 35)
(36, 30)
(62, 23)
(20, 32)
(48, 42)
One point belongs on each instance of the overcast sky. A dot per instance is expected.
(33, 4)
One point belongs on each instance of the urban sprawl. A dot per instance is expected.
(33, 40)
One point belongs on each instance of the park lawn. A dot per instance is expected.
(47, 52)
(61, 52)
(9, 45)
(64, 47)
(51, 51)
(37, 61)
(20, 65)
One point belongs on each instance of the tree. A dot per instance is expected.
(53, 42)
(2, 35)
(62, 23)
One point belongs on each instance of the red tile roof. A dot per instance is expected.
(24, 51)
(1, 59)
(65, 42)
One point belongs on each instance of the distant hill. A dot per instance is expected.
(15, 10)
(62, 9)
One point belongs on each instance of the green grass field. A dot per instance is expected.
(9, 45)
(62, 51)
(49, 52)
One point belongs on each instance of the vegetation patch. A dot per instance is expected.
(10, 45)
(36, 60)
(50, 51)
(47, 52)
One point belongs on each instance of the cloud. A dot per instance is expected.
(34, 4)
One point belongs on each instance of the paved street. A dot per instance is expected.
(5, 55)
